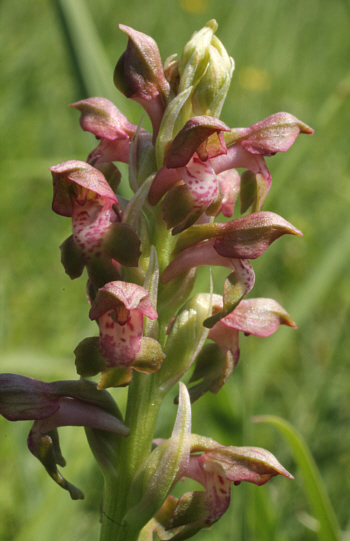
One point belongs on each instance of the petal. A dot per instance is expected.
(275, 133)
(110, 151)
(197, 130)
(237, 464)
(229, 182)
(248, 237)
(102, 118)
(226, 338)
(201, 180)
(115, 294)
(74, 172)
(120, 344)
(140, 70)
(23, 398)
(196, 256)
(260, 317)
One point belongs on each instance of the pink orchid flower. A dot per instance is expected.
(216, 361)
(119, 308)
(215, 469)
(82, 193)
(206, 147)
(102, 118)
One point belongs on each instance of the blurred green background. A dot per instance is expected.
(290, 56)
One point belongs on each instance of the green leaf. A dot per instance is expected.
(314, 488)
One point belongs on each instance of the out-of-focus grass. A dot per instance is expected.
(290, 56)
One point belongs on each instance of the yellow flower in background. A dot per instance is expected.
(251, 78)
(194, 6)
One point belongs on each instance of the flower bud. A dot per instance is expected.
(210, 93)
(206, 66)
(195, 56)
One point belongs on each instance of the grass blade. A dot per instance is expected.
(93, 70)
(314, 488)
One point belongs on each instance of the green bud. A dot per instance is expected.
(195, 56)
(206, 66)
(210, 93)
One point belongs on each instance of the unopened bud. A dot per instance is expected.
(195, 56)
(210, 93)
(206, 66)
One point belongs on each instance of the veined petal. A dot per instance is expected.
(237, 464)
(195, 132)
(260, 317)
(102, 118)
(78, 180)
(275, 133)
(248, 237)
(115, 294)
(201, 180)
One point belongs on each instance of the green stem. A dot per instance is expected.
(141, 416)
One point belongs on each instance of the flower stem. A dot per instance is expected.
(141, 416)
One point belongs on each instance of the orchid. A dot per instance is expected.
(119, 308)
(102, 118)
(141, 258)
(216, 469)
(200, 151)
(216, 361)
(82, 193)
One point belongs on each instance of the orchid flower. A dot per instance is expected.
(102, 118)
(82, 193)
(214, 364)
(206, 147)
(228, 245)
(119, 308)
(215, 468)
(53, 405)
(140, 76)
(151, 330)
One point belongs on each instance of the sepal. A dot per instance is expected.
(197, 136)
(275, 133)
(88, 359)
(238, 284)
(122, 244)
(102, 118)
(139, 73)
(80, 181)
(72, 258)
(238, 464)
(213, 367)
